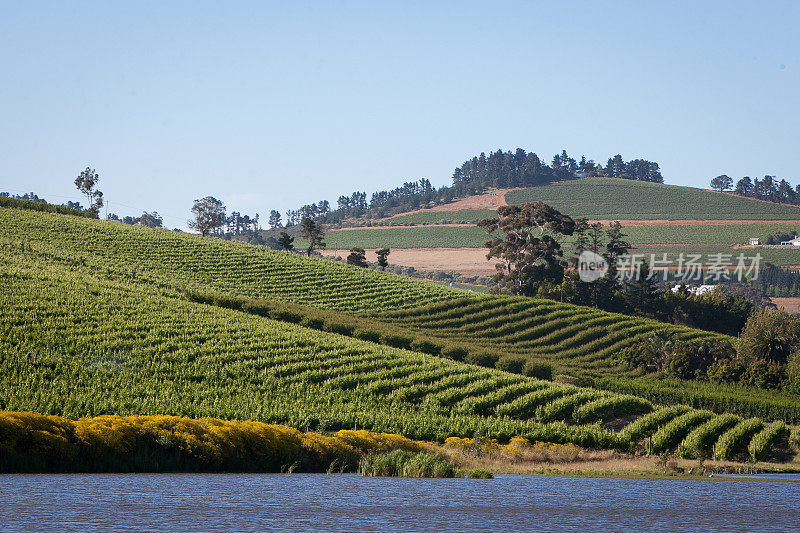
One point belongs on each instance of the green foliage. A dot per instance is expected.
(19, 203)
(734, 441)
(564, 408)
(611, 407)
(406, 464)
(482, 358)
(647, 424)
(511, 363)
(698, 443)
(672, 433)
(765, 440)
(456, 353)
(537, 369)
(105, 319)
(479, 473)
(769, 336)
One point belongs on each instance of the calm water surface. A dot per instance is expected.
(315, 502)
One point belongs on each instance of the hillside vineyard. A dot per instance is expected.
(95, 321)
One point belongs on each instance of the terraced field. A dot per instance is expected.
(95, 321)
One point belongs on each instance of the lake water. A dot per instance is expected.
(347, 502)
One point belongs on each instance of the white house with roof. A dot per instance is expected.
(793, 242)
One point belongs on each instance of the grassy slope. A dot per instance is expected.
(98, 305)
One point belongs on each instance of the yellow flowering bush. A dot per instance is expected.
(34, 442)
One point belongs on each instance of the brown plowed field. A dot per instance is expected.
(491, 200)
(464, 260)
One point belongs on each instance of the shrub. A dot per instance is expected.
(487, 359)
(456, 353)
(769, 335)
(426, 346)
(284, 315)
(511, 363)
(368, 335)
(479, 473)
(312, 322)
(398, 341)
(681, 364)
(764, 374)
(725, 371)
(536, 369)
(338, 327)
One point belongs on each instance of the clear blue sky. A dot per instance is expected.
(272, 105)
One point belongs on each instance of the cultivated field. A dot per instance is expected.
(97, 320)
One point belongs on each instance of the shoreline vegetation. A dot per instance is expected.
(35, 443)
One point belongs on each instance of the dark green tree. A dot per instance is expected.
(357, 257)
(383, 255)
(615, 247)
(582, 239)
(286, 241)
(641, 293)
(744, 187)
(721, 183)
(274, 220)
(313, 232)
(529, 254)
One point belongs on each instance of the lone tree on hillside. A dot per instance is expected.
(383, 254)
(529, 255)
(721, 183)
(357, 257)
(314, 233)
(86, 182)
(286, 241)
(209, 214)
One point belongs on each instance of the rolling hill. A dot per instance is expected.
(100, 318)
(620, 199)
(656, 218)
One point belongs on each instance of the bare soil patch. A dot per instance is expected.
(464, 260)
(491, 200)
(789, 304)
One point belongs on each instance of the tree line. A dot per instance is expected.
(769, 188)
(498, 169)
(766, 354)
